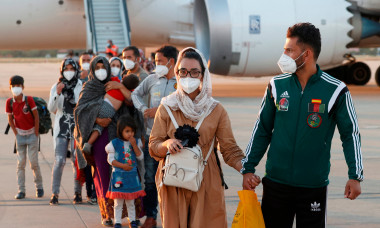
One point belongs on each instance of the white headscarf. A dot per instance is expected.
(192, 110)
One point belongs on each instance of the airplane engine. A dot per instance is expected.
(246, 39)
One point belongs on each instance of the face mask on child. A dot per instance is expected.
(16, 91)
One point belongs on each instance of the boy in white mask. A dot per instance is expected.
(23, 119)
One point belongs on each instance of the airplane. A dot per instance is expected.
(239, 37)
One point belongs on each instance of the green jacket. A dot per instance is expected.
(299, 126)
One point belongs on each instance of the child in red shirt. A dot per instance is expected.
(24, 121)
(113, 100)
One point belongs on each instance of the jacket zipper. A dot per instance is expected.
(296, 135)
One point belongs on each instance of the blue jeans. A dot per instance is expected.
(151, 165)
(61, 147)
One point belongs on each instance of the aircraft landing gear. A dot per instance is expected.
(377, 76)
(357, 73)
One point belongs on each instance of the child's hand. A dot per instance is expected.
(127, 167)
(132, 140)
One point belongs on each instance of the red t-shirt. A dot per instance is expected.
(115, 93)
(24, 121)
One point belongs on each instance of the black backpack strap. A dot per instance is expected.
(220, 168)
(9, 126)
(28, 107)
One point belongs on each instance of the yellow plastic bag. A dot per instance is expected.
(248, 213)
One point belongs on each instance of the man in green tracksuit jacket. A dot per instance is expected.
(298, 115)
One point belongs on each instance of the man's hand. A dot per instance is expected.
(127, 167)
(150, 112)
(60, 86)
(250, 181)
(103, 122)
(352, 189)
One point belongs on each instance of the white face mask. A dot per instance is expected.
(115, 71)
(129, 64)
(16, 91)
(68, 74)
(162, 70)
(101, 74)
(189, 85)
(287, 64)
(85, 66)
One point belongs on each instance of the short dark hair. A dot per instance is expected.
(16, 80)
(191, 54)
(85, 53)
(307, 34)
(169, 52)
(134, 49)
(125, 121)
(130, 81)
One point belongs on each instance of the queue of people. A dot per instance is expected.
(126, 124)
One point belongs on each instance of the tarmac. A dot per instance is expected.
(241, 97)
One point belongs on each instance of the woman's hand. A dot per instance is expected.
(173, 145)
(103, 122)
(60, 86)
(113, 85)
(127, 167)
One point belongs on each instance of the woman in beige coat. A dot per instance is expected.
(180, 207)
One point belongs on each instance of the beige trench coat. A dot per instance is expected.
(206, 208)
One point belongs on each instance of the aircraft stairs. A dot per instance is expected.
(107, 20)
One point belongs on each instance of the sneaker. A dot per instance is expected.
(54, 200)
(107, 222)
(40, 193)
(87, 148)
(92, 200)
(117, 225)
(20, 195)
(133, 224)
(77, 198)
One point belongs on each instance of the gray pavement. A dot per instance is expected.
(33, 212)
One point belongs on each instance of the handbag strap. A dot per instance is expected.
(209, 152)
(203, 116)
(171, 116)
(198, 124)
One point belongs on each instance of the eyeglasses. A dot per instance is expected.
(183, 73)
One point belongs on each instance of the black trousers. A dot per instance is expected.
(281, 203)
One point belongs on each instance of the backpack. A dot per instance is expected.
(45, 123)
(185, 169)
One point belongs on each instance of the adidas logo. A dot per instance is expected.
(285, 94)
(315, 206)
